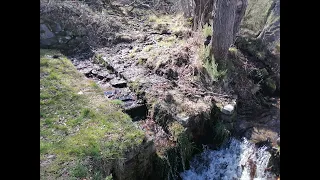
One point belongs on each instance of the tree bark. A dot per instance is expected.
(240, 12)
(227, 15)
(202, 12)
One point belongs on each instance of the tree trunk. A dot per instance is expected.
(227, 15)
(202, 12)
(240, 12)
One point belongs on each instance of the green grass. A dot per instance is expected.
(117, 102)
(221, 132)
(94, 85)
(207, 30)
(76, 126)
(80, 171)
(209, 63)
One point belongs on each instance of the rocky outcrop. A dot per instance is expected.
(270, 35)
(53, 36)
(137, 164)
(262, 21)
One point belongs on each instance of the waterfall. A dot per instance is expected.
(235, 160)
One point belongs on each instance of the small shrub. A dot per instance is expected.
(110, 177)
(79, 171)
(207, 30)
(97, 176)
(221, 132)
(87, 113)
(209, 63)
(94, 85)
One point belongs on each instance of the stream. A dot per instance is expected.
(237, 159)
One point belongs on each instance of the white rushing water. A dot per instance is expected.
(238, 160)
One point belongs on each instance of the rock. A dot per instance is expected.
(102, 74)
(118, 83)
(110, 76)
(51, 157)
(123, 38)
(269, 86)
(126, 98)
(278, 141)
(57, 28)
(262, 21)
(136, 111)
(182, 118)
(55, 56)
(111, 93)
(94, 71)
(86, 71)
(228, 109)
(45, 32)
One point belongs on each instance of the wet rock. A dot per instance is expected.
(182, 118)
(86, 71)
(94, 71)
(110, 76)
(126, 98)
(45, 33)
(56, 56)
(101, 75)
(51, 157)
(136, 111)
(278, 141)
(57, 28)
(128, 104)
(228, 109)
(269, 86)
(111, 93)
(118, 83)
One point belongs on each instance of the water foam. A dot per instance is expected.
(236, 160)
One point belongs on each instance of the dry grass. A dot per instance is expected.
(176, 23)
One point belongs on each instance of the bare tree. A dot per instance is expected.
(227, 15)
